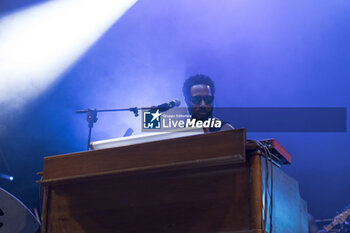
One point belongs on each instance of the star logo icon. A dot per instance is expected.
(156, 115)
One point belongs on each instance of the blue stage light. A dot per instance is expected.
(39, 43)
(6, 177)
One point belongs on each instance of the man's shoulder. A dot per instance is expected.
(224, 125)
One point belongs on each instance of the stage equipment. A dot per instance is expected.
(92, 113)
(143, 138)
(280, 155)
(15, 217)
(199, 184)
(340, 219)
(6, 177)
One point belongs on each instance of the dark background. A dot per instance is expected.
(274, 53)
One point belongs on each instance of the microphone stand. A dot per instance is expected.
(91, 116)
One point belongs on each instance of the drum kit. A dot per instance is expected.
(15, 217)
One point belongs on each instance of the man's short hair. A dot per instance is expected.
(197, 80)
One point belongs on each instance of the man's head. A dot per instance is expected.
(199, 92)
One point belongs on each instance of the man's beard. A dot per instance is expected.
(201, 114)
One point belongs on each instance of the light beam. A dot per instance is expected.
(39, 43)
(6, 177)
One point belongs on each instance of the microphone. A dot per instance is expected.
(166, 106)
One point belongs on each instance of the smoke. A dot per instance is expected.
(39, 43)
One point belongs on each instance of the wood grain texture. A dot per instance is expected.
(197, 184)
(256, 202)
(146, 154)
(206, 200)
(45, 210)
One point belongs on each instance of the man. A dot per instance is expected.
(199, 93)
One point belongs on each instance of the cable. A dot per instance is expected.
(268, 174)
(269, 163)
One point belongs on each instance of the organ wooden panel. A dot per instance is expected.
(203, 183)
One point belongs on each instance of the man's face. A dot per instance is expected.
(201, 102)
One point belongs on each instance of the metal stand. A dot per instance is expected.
(92, 116)
(92, 113)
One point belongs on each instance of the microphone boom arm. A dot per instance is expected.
(92, 113)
